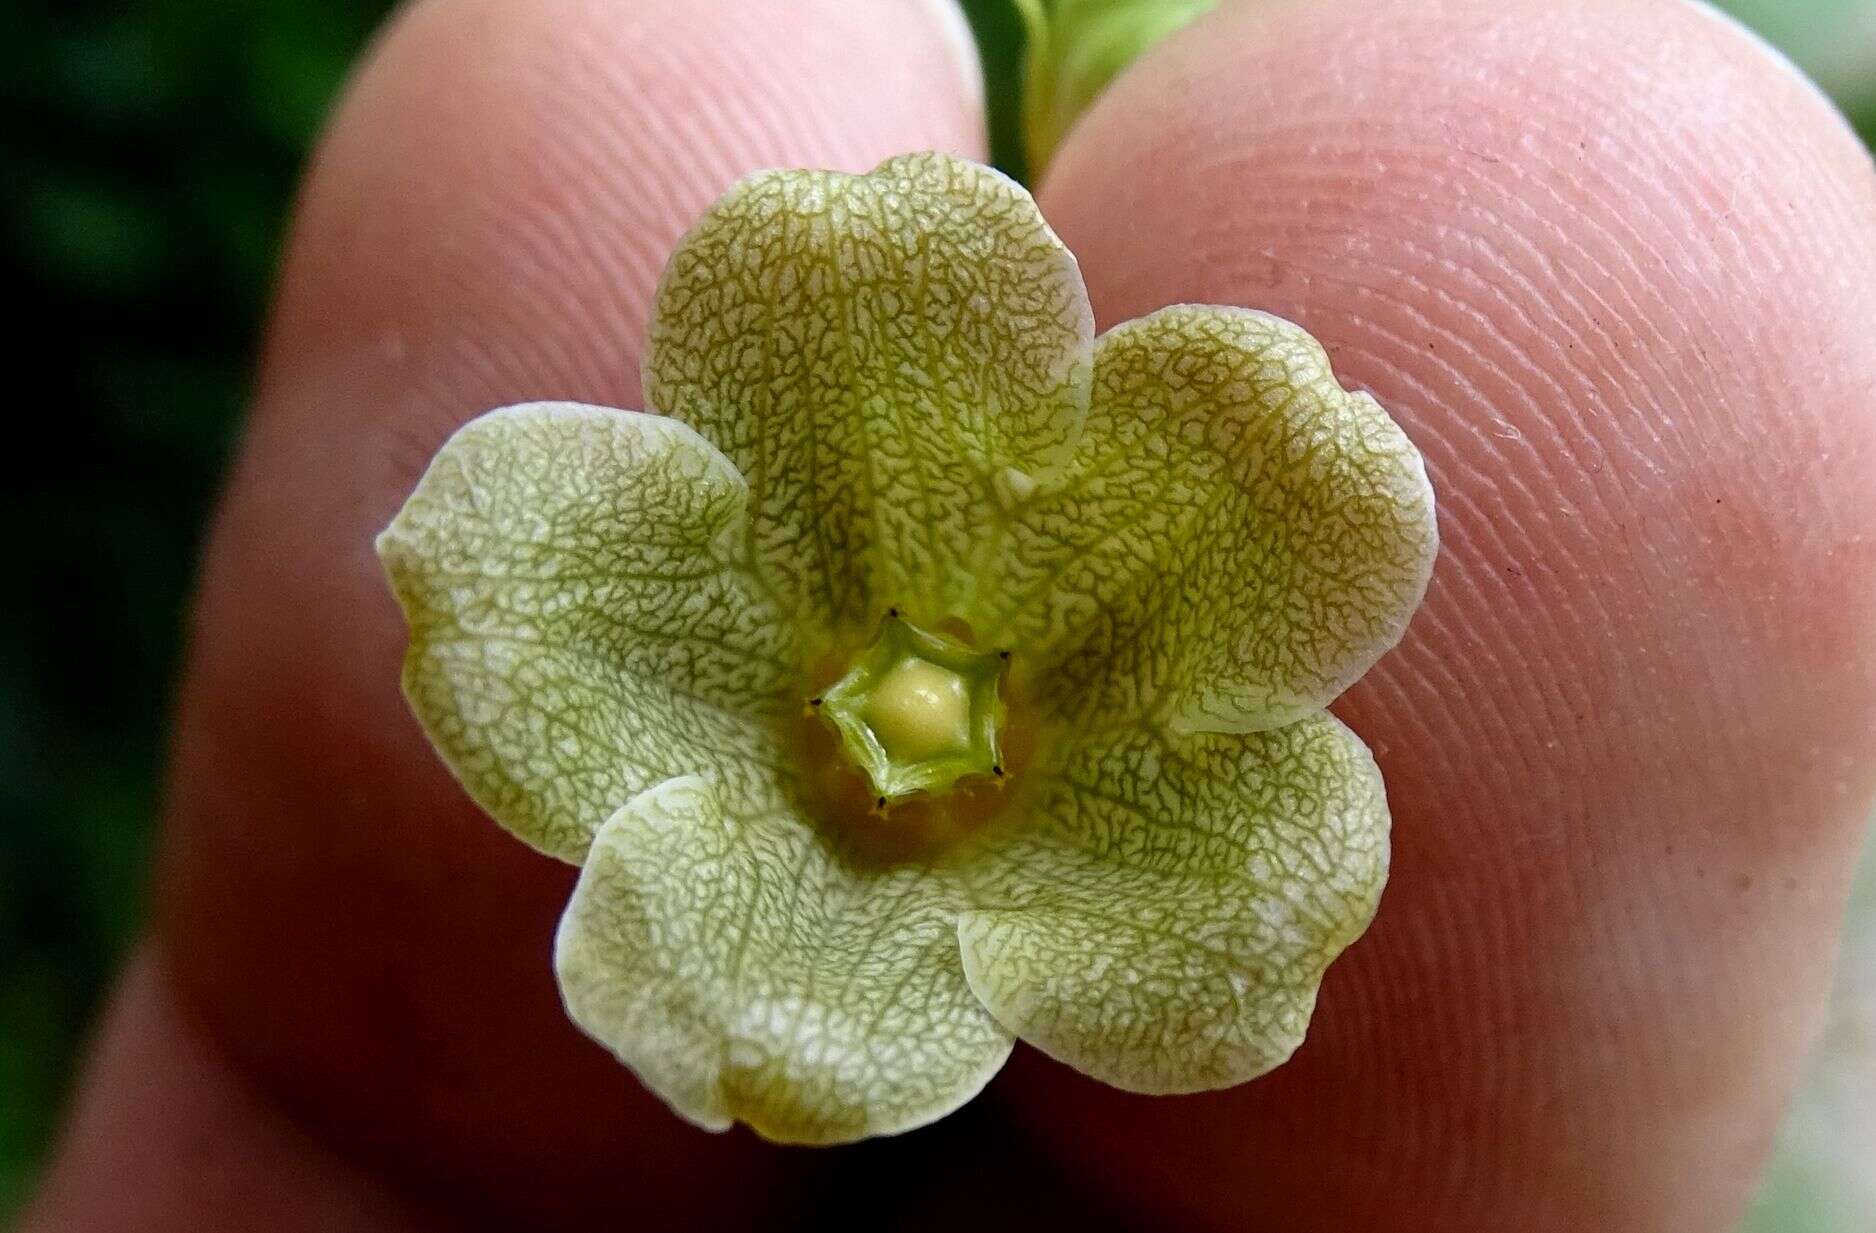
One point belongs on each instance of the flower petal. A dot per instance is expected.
(1165, 920)
(1238, 540)
(745, 972)
(582, 620)
(888, 358)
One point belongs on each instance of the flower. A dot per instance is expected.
(929, 673)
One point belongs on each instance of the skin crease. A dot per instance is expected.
(1611, 264)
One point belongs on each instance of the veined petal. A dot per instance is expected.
(744, 971)
(1164, 919)
(890, 359)
(583, 623)
(1238, 539)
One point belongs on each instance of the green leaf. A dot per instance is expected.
(886, 358)
(747, 972)
(583, 622)
(1163, 919)
(1075, 48)
(1237, 540)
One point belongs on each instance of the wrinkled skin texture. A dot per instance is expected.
(1612, 266)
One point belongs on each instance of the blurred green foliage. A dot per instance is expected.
(148, 150)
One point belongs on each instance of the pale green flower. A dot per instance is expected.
(936, 675)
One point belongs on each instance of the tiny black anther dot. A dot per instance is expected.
(1003, 654)
(996, 770)
(892, 612)
(882, 802)
(814, 702)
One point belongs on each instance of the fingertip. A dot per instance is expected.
(1613, 267)
(483, 224)
(497, 194)
(1254, 116)
(1611, 264)
(954, 29)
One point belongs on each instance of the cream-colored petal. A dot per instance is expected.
(583, 623)
(888, 358)
(1163, 918)
(746, 972)
(1238, 539)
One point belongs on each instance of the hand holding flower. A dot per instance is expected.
(1143, 563)
(1610, 265)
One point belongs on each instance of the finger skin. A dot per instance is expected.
(483, 225)
(165, 1136)
(1612, 266)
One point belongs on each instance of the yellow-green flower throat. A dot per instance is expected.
(918, 711)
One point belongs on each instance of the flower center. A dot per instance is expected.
(920, 711)
(917, 711)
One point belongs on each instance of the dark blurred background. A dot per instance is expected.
(148, 150)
